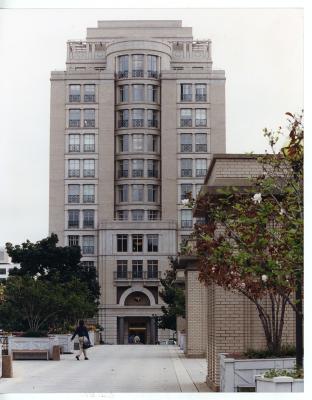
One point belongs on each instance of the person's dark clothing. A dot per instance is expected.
(81, 331)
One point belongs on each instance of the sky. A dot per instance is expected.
(261, 51)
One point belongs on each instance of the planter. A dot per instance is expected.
(67, 346)
(279, 384)
(33, 343)
(236, 374)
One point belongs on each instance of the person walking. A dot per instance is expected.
(82, 332)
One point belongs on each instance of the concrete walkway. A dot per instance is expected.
(111, 369)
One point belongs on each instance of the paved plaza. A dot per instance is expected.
(111, 368)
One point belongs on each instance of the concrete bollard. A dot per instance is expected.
(7, 369)
(56, 353)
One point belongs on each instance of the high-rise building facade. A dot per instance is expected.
(134, 120)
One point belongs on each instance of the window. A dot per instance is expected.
(185, 117)
(186, 92)
(73, 240)
(186, 219)
(137, 117)
(123, 93)
(137, 168)
(122, 215)
(186, 142)
(152, 118)
(74, 93)
(88, 193)
(137, 192)
(137, 269)
(123, 143)
(89, 93)
(152, 215)
(87, 264)
(88, 218)
(201, 117)
(74, 143)
(152, 66)
(137, 143)
(89, 143)
(122, 243)
(137, 215)
(122, 193)
(87, 244)
(200, 92)
(152, 193)
(73, 193)
(186, 167)
(152, 93)
(186, 189)
(201, 167)
(122, 266)
(152, 269)
(123, 66)
(152, 243)
(123, 169)
(73, 219)
(89, 118)
(137, 92)
(201, 142)
(138, 65)
(152, 143)
(74, 118)
(89, 168)
(123, 120)
(137, 243)
(73, 168)
(152, 168)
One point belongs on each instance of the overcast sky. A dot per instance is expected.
(261, 51)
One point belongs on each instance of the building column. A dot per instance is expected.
(121, 330)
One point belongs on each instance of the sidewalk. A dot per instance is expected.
(111, 369)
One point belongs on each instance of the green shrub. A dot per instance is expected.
(35, 334)
(285, 351)
(274, 373)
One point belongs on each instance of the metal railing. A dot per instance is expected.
(130, 275)
(73, 224)
(201, 172)
(74, 123)
(88, 198)
(89, 148)
(152, 173)
(89, 123)
(153, 74)
(186, 172)
(123, 173)
(88, 249)
(137, 73)
(137, 173)
(72, 148)
(137, 123)
(88, 223)
(186, 148)
(186, 122)
(73, 173)
(73, 198)
(123, 123)
(152, 123)
(89, 98)
(89, 173)
(74, 98)
(186, 224)
(122, 74)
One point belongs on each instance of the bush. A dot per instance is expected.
(274, 373)
(285, 351)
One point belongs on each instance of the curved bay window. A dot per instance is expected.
(123, 66)
(137, 65)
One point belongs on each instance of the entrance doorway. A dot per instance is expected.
(137, 329)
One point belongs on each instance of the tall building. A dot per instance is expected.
(6, 264)
(134, 120)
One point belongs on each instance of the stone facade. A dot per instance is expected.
(134, 120)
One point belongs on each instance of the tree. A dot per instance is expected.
(52, 263)
(174, 297)
(35, 305)
(252, 241)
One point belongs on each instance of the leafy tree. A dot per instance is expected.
(52, 263)
(35, 305)
(174, 297)
(252, 241)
